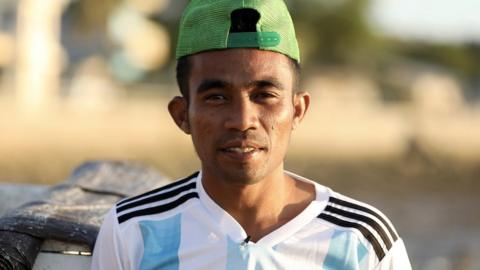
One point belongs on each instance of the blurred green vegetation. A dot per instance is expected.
(464, 59)
(333, 32)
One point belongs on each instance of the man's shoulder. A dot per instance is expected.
(158, 201)
(364, 220)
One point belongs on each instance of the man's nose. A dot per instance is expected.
(242, 116)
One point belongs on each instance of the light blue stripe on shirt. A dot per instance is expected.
(239, 256)
(161, 241)
(345, 252)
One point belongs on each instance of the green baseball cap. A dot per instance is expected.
(206, 25)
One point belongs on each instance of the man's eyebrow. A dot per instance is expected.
(208, 84)
(269, 81)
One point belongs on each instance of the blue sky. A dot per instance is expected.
(446, 21)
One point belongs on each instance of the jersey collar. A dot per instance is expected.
(229, 226)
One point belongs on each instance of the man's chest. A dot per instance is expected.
(173, 244)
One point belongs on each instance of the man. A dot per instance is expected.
(238, 65)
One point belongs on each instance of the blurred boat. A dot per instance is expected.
(57, 229)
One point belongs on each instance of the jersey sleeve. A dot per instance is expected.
(107, 253)
(396, 258)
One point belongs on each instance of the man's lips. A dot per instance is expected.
(240, 150)
(241, 147)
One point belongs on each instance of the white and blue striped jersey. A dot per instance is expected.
(179, 226)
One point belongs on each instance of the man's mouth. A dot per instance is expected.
(242, 149)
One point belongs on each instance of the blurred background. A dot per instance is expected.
(394, 121)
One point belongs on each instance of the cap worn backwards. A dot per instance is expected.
(207, 25)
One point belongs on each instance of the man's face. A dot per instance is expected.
(241, 112)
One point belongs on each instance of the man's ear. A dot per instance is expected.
(178, 108)
(301, 103)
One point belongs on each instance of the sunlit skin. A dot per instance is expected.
(240, 115)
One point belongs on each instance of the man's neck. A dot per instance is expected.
(262, 207)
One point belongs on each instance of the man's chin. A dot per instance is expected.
(243, 176)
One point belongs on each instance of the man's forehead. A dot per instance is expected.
(240, 68)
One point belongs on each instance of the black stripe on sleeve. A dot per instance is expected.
(157, 209)
(365, 232)
(171, 185)
(158, 197)
(372, 223)
(366, 210)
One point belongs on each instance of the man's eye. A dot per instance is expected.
(264, 95)
(215, 98)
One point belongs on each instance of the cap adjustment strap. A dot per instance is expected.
(253, 40)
